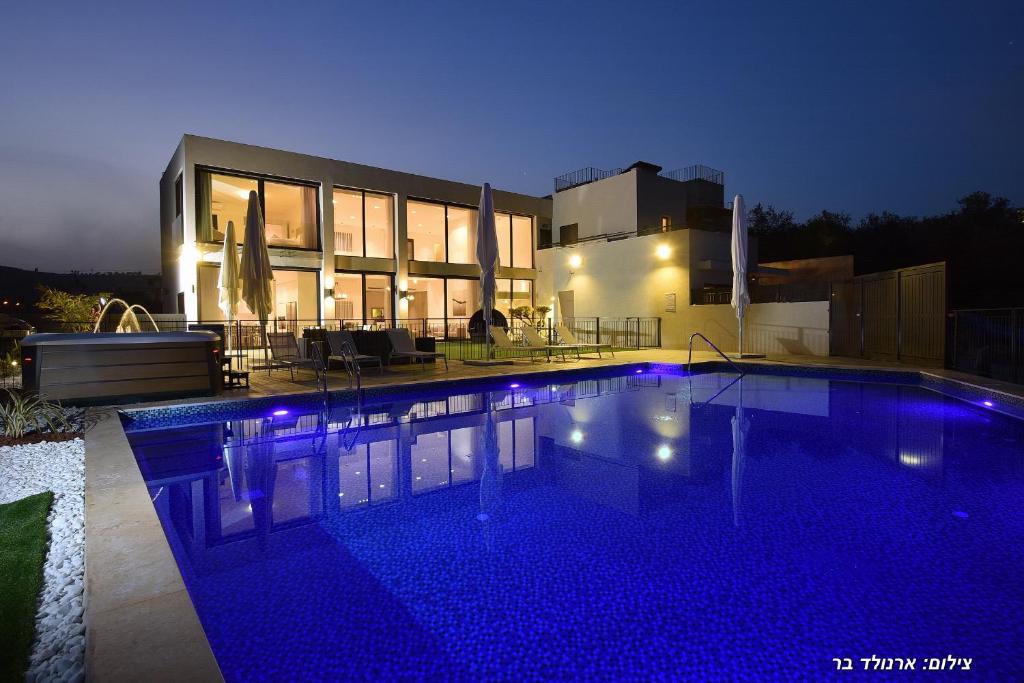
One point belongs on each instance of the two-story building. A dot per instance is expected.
(346, 241)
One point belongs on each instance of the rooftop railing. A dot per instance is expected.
(696, 172)
(590, 174)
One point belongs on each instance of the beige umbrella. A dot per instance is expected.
(229, 285)
(255, 270)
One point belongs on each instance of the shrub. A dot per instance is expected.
(22, 413)
(74, 312)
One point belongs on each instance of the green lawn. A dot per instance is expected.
(23, 542)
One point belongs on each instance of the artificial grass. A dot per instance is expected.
(23, 541)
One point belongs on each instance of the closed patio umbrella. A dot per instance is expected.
(740, 296)
(487, 257)
(255, 271)
(229, 284)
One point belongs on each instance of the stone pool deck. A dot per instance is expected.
(141, 624)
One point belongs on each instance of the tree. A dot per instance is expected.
(74, 312)
(762, 220)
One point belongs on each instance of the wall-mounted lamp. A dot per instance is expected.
(663, 252)
(328, 292)
(404, 295)
(575, 261)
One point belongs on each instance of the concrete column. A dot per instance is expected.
(401, 308)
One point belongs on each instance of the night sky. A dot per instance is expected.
(860, 107)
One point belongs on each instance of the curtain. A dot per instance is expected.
(204, 222)
(309, 223)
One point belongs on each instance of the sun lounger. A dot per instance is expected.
(342, 344)
(284, 351)
(403, 346)
(569, 338)
(535, 341)
(502, 342)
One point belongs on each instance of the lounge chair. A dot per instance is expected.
(502, 342)
(284, 352)
(569, 338)
(403, 346)
(535, 341)
(342, 344)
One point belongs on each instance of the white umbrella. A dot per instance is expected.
(487, 257)
(255, 268)
(229, 284)
(740, 296)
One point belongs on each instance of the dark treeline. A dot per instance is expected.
(982, 244)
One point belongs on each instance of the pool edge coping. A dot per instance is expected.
(140, 621)
(176, 648)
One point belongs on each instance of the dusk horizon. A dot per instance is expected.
(806, 109)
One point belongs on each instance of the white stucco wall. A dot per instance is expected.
(601, 207)
(627, 278)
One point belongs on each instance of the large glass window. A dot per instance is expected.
(513, 294)
(503, 226)
(515, 239)
(348, 299)
(290, 211)
(443, 232)
(426, 231)
(426, 303)
(380, 225)
(462, 235)
(362, 298)
(522, 242)
(463, 299)
(296, 298)
(363, 223)
(290, 215)
(348, 222)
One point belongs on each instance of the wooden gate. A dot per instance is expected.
(892, 315)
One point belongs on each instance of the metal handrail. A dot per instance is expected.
(689, 357)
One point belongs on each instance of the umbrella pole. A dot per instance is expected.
(741, 337)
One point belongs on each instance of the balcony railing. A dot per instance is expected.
(590, 174)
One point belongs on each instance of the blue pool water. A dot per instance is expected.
(635, 527)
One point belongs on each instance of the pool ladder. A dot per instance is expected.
(689, 356)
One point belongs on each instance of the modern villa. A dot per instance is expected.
(364, 245)
(347, 241)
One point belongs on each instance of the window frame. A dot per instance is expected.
(315, 271)
(394, 218)
(458, 205)
(261, 179)
(362, 283)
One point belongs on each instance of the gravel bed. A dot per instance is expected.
(58, 653)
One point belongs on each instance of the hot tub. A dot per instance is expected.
(112, 368)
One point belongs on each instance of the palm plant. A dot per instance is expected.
(22, 413)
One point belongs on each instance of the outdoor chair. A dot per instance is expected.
(535, 341)
(502, 342)
(569, 338)
(403, 346)
(343, 349)
(284, 351)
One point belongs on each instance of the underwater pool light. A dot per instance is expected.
(988, 404)
(576, 436)
(639, 371)
(514, 385)
(664, 452)
(279, 413)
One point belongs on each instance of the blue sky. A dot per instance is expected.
(855, 107)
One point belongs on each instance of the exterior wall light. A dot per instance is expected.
(663, 252)
(404, 295)
(329, 292)
(575, 261)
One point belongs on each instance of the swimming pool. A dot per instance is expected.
(640, 525)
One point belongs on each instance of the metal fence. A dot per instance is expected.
(989, 342)
(244, 340)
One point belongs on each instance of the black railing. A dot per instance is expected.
(583, 176)
(244, 340)
(696, 172)
(790, 292)
(989, 342)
